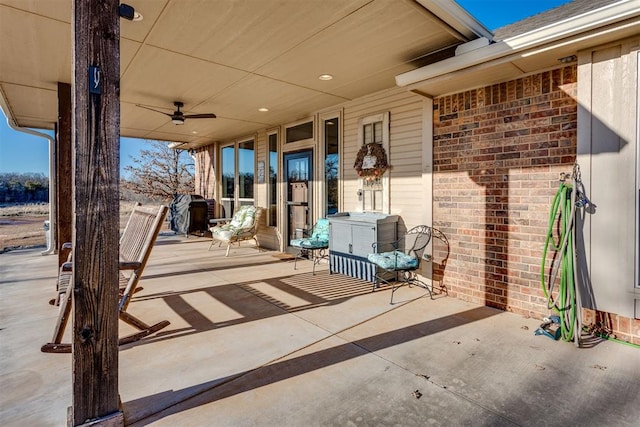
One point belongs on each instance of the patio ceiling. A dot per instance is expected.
(226, 57)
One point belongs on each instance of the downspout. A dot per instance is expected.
(52, 182)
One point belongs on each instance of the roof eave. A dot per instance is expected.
(529, 43)
(457, 18)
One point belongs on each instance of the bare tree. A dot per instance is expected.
(160, 172)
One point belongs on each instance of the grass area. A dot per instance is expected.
(24, 209)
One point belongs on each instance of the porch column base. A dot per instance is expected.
(115, 419)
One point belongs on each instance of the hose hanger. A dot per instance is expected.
(565, 301)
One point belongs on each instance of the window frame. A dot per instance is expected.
(322, 155)
(288, 126)
(383, 117)
(273, 200)
(236, 201)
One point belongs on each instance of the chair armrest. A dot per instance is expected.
(66, 266)
(219, 220)
(393, 244)
(129, 265)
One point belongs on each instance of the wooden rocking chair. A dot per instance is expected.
(136, 243)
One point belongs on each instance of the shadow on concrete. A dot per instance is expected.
(321, 289)
(152, 408)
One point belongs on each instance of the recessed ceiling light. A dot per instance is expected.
(194, 132)
(325, 77)
(263, 109)
(137, 16)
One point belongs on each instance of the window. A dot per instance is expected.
(299, 132)
(228, 180)
(238, 169)
(331, 163)
(246, 170)
(374, 190)
(372, 132)
(273, 179)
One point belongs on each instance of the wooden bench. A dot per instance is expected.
(136, 242)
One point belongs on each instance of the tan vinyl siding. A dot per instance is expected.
(405, 151)
(267, 236)
(404, 155)
(260, 195)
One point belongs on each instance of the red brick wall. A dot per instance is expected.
(498, 155)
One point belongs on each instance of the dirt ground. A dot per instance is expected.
(18, 232)
(27, 231)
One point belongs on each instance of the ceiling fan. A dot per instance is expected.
(178, 117)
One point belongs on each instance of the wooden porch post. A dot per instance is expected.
(96, 56)
(64, 198)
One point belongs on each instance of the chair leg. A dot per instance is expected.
(316, 260)
(317, 257)
(411, 278)
(56, 345)
(142, 326)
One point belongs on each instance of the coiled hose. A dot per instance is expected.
(565, 302)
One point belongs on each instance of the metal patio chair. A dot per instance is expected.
(314, 245)
(399, 266)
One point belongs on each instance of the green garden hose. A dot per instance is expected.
(564, 301)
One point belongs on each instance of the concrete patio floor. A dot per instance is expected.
(254, 342)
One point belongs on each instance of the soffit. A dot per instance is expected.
(226, 57)
(564, 32)
(525, 62)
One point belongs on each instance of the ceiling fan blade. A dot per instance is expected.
(200, 116)
(153, 109)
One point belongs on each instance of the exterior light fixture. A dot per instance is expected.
(325, 77)
(568, 59)
(128, 12)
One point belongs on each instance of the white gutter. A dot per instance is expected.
(561, 30)
(52, 186)
(174, 145)
(457, 18)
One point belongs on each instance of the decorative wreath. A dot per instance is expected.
(371, 161)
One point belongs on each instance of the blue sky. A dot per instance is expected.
(24, 153)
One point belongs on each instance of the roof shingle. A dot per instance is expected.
(560, 13)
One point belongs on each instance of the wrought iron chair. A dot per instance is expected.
(398, 267)
(441, 250)
(315, 245)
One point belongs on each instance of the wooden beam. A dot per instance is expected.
(96, 56)
(63, 172)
